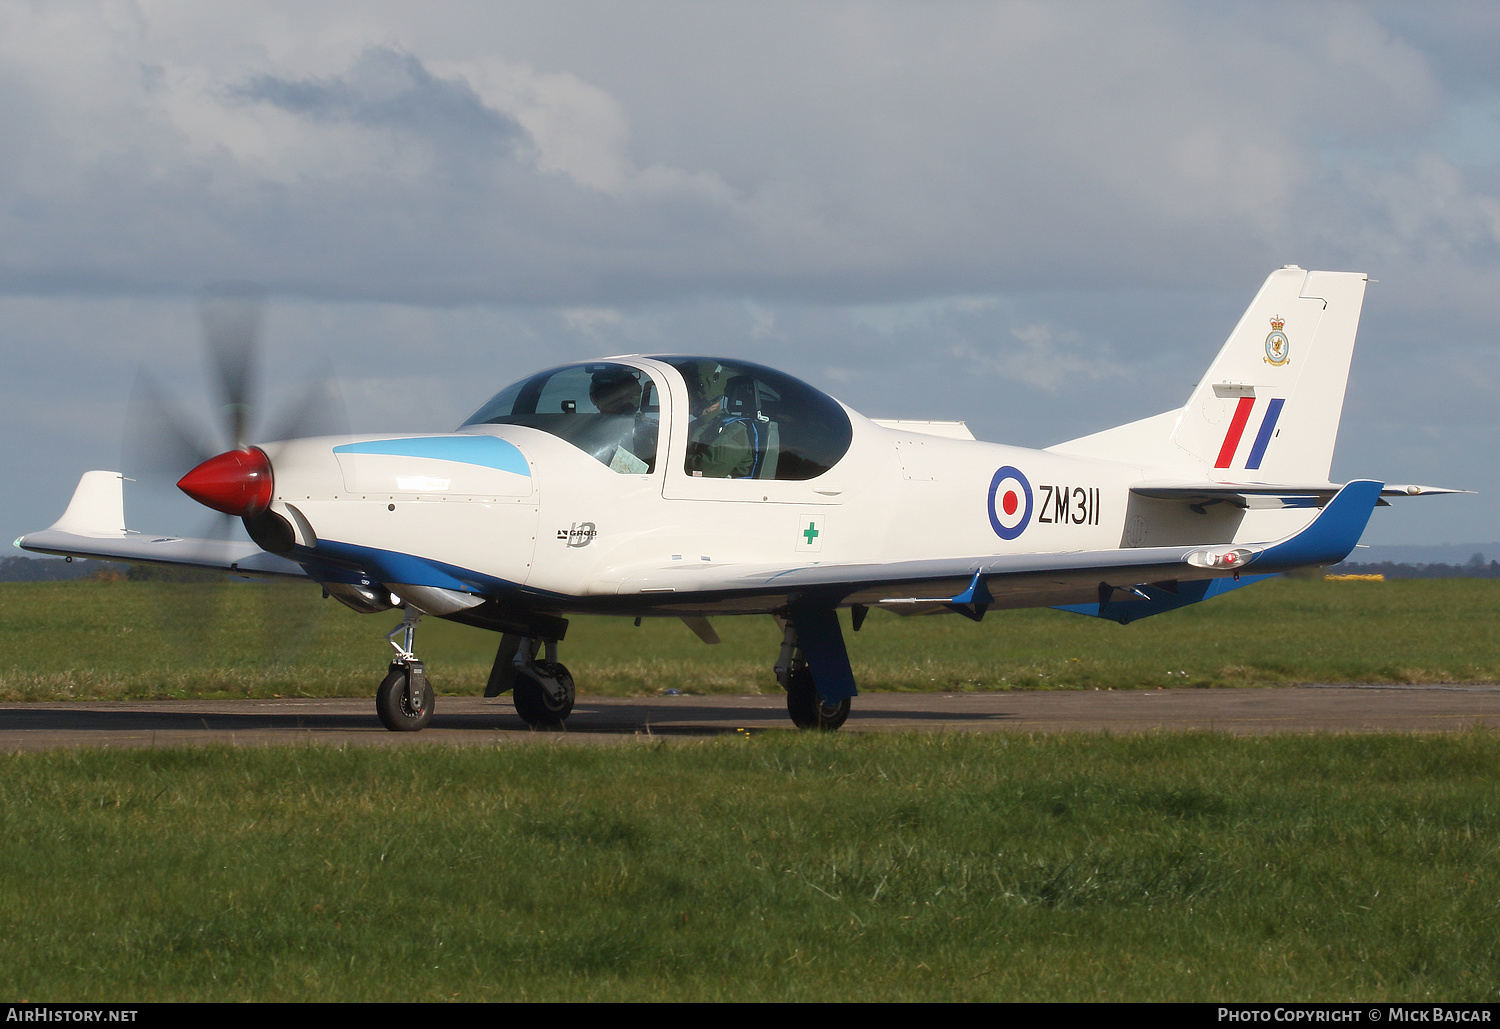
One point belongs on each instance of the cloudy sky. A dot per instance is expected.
(1041, 218)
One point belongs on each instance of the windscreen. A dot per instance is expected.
(610, 411)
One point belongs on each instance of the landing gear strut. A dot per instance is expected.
(807, 709)
(542, 691)
(404, 700)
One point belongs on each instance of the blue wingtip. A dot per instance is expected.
(1332, 535)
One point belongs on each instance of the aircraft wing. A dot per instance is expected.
(971, 584)
(93, 526)
(917, 587)
(138, 548)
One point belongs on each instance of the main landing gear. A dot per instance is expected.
(404, 700)
(813, 668)
(808, 706)
(542, 691)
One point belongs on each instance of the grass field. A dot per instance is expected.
(84, 640)
(780, 867)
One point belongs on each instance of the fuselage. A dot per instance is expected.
(520, 509)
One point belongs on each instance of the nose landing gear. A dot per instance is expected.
(404, 700)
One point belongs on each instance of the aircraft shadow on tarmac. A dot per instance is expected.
(66, 720)
(631, 719)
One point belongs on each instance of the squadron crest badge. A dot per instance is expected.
(1278, 347)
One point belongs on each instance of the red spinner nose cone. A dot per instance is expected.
(237, 482)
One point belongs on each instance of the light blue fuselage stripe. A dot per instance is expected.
(486, 451)
(1263, 438)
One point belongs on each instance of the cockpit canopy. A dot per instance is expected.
(745, 421)
(752, 422)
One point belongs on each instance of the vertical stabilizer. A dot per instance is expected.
(1268, 409)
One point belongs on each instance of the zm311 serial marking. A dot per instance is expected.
(1064, 505)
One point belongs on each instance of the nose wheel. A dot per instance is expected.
(404, 699)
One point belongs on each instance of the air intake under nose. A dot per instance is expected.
(237, 482)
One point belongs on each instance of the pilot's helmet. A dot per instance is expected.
(705, 387)
(615, 391)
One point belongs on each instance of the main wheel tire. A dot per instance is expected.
(535, 704)
(807, 709)
(404, 701)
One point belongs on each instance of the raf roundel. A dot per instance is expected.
(1010, 503)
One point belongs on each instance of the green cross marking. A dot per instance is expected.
(811, 532)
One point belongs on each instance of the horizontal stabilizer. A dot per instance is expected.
(1246, 495)
(1419, 491)
(1260, 495)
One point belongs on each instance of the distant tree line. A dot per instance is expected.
(1474, 568)
(39, 569)
(51, 569)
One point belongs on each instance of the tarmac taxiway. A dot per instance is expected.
(475, 721)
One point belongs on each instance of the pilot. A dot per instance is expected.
(719, 440)
(630, 448)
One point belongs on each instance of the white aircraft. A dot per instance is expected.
(691, 487)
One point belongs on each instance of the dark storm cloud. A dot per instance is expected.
(390, 89)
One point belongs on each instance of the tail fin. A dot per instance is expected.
(1268, 409)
